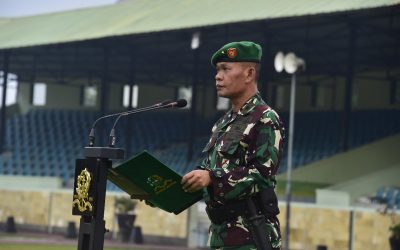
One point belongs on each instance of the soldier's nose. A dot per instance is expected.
(218, 77)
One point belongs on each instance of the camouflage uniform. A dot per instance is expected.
(243, 156)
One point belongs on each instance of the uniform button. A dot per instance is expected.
(219, 173)
(220, 185)
(221, 194)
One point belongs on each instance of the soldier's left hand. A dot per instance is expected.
(195, 180)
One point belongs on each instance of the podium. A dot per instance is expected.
(90, 193)
(142, 177)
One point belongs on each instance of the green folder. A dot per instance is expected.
(146, 178)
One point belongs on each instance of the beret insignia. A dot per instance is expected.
(232, 53)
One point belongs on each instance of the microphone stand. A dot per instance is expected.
(165, 104)
(90, 191)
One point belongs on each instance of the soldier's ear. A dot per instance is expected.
(253, 72)
(250, 73)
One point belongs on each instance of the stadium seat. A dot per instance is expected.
(47, 142)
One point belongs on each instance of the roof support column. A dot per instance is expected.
(3, 113)
(264, 77)
(129, 127)
(393, 90)
(104, 93)
(349, 86)
(104, 82)
(32, 78)
(193, 107)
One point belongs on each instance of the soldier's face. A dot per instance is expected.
(230, 79)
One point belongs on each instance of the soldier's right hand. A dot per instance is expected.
(196, 180)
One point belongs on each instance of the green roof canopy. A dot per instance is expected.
(143, 16)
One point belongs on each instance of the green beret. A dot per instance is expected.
(238, 52)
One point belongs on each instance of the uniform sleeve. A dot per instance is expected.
(204, 164)
(263, 145)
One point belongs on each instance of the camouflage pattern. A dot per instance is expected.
(243, 156)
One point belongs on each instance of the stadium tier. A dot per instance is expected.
(47, 142)
(387, 195)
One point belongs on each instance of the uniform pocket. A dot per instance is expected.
(217, 235)
(269, 202)
(228, 147)
(210, 143)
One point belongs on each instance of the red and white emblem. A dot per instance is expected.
(232, 53)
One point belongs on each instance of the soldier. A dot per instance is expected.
(243, 155)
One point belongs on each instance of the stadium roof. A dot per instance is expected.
(143, 16)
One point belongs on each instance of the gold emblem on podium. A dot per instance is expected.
(81, 198)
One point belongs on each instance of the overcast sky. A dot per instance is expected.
(16, 8)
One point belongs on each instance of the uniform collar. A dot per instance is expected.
(244, 110)
(250, 104)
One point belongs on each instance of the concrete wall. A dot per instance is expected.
(367, 94)
(54, 208)
(311, 225)
(151, 94)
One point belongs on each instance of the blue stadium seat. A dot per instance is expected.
(47, 142)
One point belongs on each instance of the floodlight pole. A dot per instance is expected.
(290, 158)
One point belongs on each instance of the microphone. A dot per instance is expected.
(165, 104)
(93, 129)
(177, 104)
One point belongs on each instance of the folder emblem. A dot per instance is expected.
(158, 184)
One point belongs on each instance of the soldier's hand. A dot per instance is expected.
(195, 180)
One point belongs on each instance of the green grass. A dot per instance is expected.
(300, 189)
(34, 247)
(46, 247)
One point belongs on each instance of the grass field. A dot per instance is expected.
(300, 189)
(47, 247)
